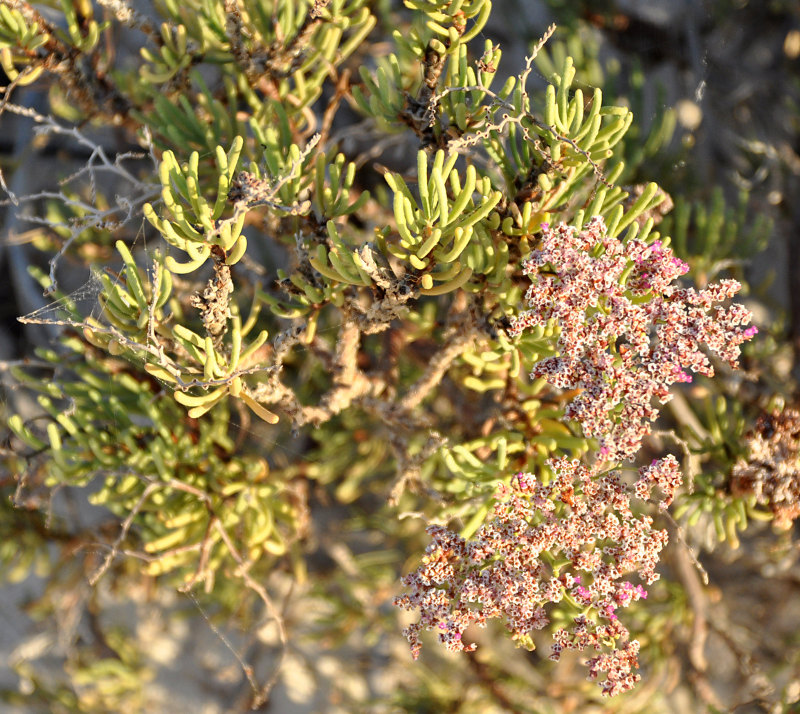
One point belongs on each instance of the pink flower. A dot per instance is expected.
(626, 331)
(665, 474)
(500, 572)
(626, 334)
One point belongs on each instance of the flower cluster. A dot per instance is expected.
(662, 473)
(626, 332)
(772, 469)
(571, 537)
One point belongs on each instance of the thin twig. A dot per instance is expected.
(243, 571)
(126, 525)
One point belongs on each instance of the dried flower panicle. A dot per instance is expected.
(580, 517)
(771, 471)
(626, 332)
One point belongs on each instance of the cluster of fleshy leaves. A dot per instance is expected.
(626, 334)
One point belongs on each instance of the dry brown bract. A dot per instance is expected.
(772, 471)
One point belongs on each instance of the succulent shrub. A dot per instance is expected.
(267, 359)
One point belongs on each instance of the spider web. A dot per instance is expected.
(70, 309)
